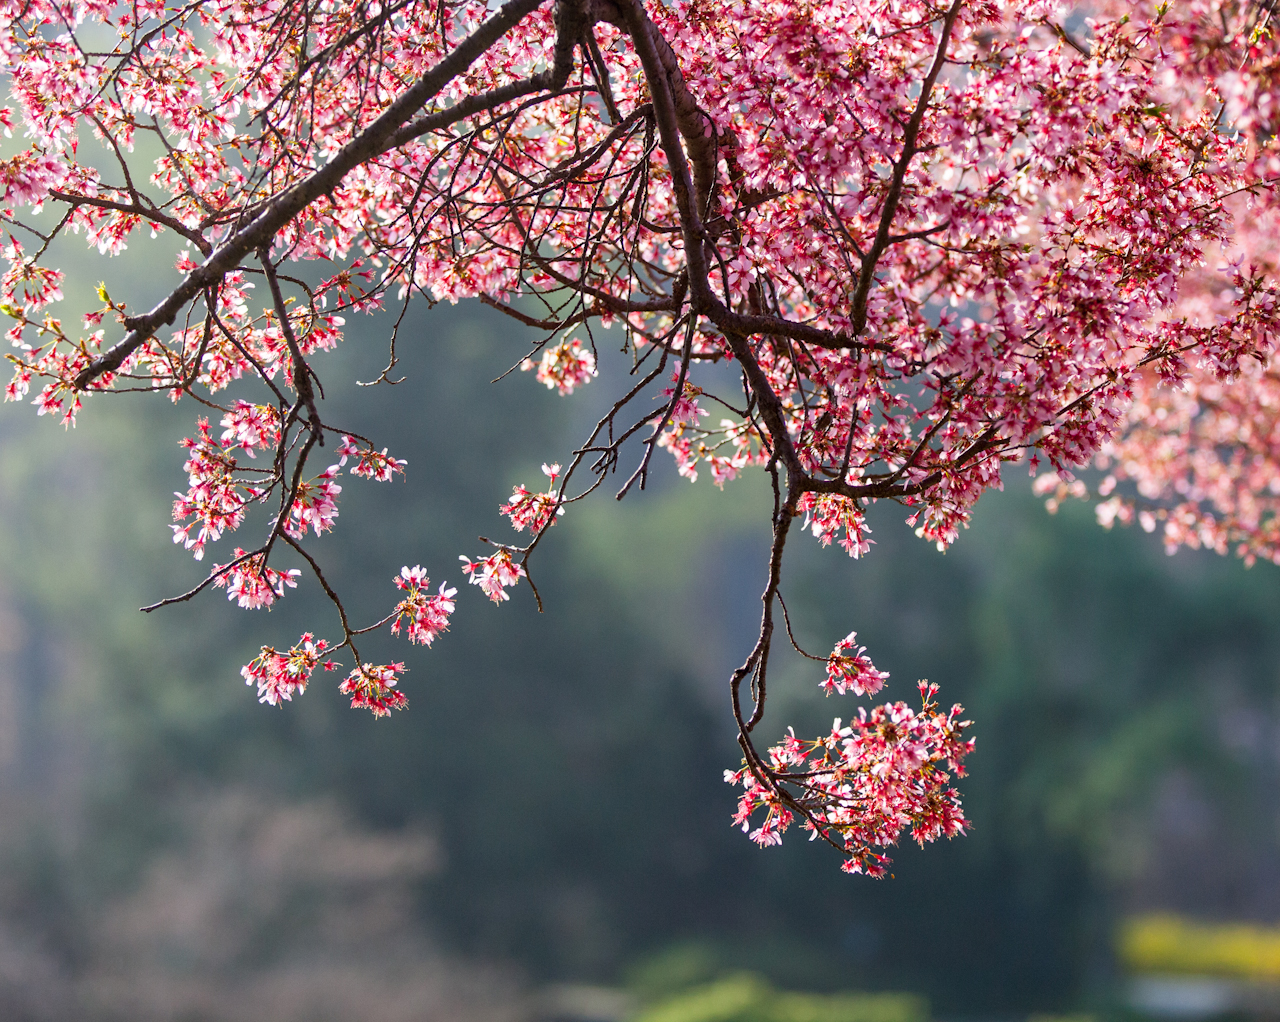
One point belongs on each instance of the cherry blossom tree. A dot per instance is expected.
(925, 240)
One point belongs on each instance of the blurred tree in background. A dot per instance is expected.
(170, 845)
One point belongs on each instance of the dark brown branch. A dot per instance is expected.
(154, 215)
(910, 149)
(347, 632)
(601, 71)
(301, 369)
(667, 111)
(642, 470)
(214, 575)
(469, 107)
(366, 145)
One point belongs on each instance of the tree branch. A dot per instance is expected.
(366, 145)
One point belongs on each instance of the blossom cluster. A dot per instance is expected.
(849, 669)
(314, 504)
(690, 443)
(494, 574)
(251, 583)
(372, 687)
(376, 465)
(216, 497)
(424, 614)
(280, 675)
(534, 511)
(860, 786)
(250, 426)
(827, 513)
(563, 366)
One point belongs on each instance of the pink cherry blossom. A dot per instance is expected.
(534, 510)
(249, 426)
(494, 574)
(314, 505)
(852, 671)
(875, 251)
(863, 784)
(217, 495)
(564, 367)
(372, 687)
(279, 676)
(251, 584)
(426, 614)
(371, 464)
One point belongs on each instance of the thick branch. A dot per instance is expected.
(153, 215)
(909, 151)
(364, 147)
(469, 107)
(301, 369)
(649, 47)
(701, 140)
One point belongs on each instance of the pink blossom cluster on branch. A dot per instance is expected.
(886, 771)
(280, 675)
(423, 613)
(929, 238)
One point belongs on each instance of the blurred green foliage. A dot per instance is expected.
(747, 998)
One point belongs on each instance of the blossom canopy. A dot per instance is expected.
(928, 239)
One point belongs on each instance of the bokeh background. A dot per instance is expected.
(545, 834)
